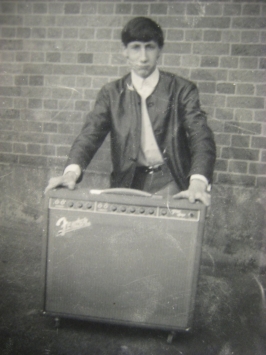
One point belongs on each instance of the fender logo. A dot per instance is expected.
(67, 226)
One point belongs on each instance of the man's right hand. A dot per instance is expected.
(67, 180)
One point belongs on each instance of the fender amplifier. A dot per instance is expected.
(122, 256)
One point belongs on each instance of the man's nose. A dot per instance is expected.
(143, 55)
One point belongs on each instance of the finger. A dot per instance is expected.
(204, 198)
(53, 183)
(182, 194)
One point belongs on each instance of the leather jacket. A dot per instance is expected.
(180, 127)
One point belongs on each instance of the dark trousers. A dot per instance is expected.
(160, 182)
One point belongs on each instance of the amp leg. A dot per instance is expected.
(57, 322)
(170, 337)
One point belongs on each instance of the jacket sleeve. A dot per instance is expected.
(200, 137)
(93, 133)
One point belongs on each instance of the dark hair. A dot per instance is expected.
(142, 29)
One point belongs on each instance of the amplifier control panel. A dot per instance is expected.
(124, 209)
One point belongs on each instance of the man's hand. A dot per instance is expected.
(68, 180)
(196, 192)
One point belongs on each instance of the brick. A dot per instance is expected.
(214, 9)
(238, 167)
(69, 58)
(65, 128)
(54, 32)
(242, 127)
(54, 8)
(89, 8)
(226, 88)
(19, 148)
(50, 127)
(106, 9)
(123, 9)
(231, 36)
(212, 36)
(11, 44)
(62, 151)
(209, 61)
(221, 165)
(243, 115)
(9, 114)
(193, 35)
(190, 60)
(10, 91)
(222, 139)
(213, 22)
(211, 48)
(262, 64)
(171, 60)
(228, 62)
(103, 33)
(250, 37)
(34, 149)
(236, 179)
(245, 89)
(248, 63)
(40, 8)
(158, 9)
(32, 160)
(37, 57)
(100, 70)
(21, 80)
(73, 8)
(261, 181)
(36, 80)
(248, 22)
(208, 74)
(240, 140)
(248, 50)
(85, 58)
(37, 69)
(212, 100)
(24, 8)
(259, 116)
(175, 35)
(50, 104)
(263, 156)
(70, 33)
(257, 169)
(35, 103)
(37, 92)
(65, 69)
(176, 9)
(240, 153)
(62, 139)
(23, 32)
(224, 114)
(8, 158)
(246, 76)
(20, 103)
(39, 20)
(207, 87)
(249, 9)
(6, 80)
(33, 138)
(258, 142)
(232, 9)
(47, 150)
(261, 90)
(177, 48)
(245, 101)
(11, 20)
(82, 106)
(140, 9)
(8, 32)
(6, 102)
(87, 33)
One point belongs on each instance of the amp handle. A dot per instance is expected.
(121, 191)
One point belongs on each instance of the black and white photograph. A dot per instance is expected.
(133, 177)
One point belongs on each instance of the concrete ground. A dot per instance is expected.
(229, 316)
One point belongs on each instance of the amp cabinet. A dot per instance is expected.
(122, 256)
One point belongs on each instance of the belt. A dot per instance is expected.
(149, 169)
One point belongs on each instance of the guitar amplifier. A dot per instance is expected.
(122, 256)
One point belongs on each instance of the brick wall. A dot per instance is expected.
(55, 55)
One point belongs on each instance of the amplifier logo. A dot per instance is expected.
(70, 226)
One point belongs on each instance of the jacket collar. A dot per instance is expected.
(136, 83)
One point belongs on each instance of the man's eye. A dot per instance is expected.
(136, 47)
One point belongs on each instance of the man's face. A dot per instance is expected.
(142, 57)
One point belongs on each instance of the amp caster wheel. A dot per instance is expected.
(57, 322)
(170, 337)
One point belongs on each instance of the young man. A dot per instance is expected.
(160, 141)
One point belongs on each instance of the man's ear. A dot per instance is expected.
(124, 51)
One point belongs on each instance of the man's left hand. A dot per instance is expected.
(197, 191)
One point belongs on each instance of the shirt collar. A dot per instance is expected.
(149, 82)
